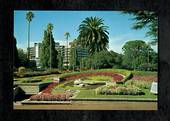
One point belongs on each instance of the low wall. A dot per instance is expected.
(32, 88)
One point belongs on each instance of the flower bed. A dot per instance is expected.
(118, 75)
(145, 78)
(51, 97)
(140, 83)
(119, 90)
(46, 95)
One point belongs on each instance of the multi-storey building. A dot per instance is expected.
(31, 53)
(35, 52)
(66, 59)
(81, 52)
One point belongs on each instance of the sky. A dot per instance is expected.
(68, 21)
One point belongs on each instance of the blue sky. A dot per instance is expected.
(68, 21)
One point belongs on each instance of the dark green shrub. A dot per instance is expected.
(31, 81)
(21, 71)
(37, 73)
(18, 94)
(128, 76)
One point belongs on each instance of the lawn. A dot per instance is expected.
(89, 91)
(91, 83)
(92, 94)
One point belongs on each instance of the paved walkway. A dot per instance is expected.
(91, 105)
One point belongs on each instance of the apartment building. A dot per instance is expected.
(35, 52)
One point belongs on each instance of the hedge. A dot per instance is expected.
(36, 73)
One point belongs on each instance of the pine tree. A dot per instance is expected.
(45, 59)
(60, 59)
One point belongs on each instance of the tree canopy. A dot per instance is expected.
(46, 57)
(67, 35)
(23, 60)
(29, 16)
(137, 54)
(146, 19)
(15, 52)
(102, 59)
(93, 34)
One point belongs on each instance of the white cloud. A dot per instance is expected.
(62, 42)
(116, 42)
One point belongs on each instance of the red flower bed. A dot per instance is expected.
(50, 97)
(46, 95)
(145, 78)
(116, 77)
(50, 87)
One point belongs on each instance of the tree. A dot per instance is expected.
(146, 19)
(49, 29)
(102, 59)
(106, 59)
(93, 34)
(73, 57)
(67, 35)
(60, 59)
(47, 58)
(29, 17)
(23, 60)
(136, 54)
(74, 60)
(15, 54)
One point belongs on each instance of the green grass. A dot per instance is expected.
(89, 91)
(92, 94)
(139, 83)
(144, 73)
(58, 90)
(70, 86)
(98, 78)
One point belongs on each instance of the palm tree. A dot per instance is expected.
(49, 29)
(29, 17)
(67, 35)
(93, 34)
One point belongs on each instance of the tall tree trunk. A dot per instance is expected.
(67, 53)
(50, 52)
(28, 40)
